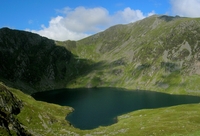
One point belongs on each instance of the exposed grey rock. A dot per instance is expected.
(10, 106)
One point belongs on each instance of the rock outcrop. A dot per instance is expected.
(9, 107)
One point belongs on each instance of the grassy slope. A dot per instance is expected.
(135, 62)
(150, 54)
(178, 120)
(124, 64)
(42, 118)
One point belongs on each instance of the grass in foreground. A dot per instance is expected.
(42, 118)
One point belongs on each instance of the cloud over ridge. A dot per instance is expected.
(186, 8)
(75, 24)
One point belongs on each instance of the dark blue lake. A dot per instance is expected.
(100, 106)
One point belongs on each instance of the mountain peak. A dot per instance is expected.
(151, 50)
(147, 54)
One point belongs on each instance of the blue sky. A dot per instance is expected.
(64, 19)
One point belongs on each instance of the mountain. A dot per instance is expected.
(158, 53)
(34, 63)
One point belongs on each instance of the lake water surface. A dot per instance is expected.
(100, 106)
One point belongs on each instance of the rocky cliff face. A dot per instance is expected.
(9, 107)
(29, 61)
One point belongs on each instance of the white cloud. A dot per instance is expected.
(187, 8)
(58, 31)
(151, 13)
(75, 24)
(81, 19)
(128, 15)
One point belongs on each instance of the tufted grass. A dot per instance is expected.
(41, 118)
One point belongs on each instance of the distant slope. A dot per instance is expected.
(159, 53)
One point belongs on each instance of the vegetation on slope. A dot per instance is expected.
(41, 118)
(10, 106)
(158, 53)
(33, 63)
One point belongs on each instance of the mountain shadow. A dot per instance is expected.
(30, 62)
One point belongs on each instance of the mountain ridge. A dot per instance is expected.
(160, 47)
(148, 54)
(34, 63)
(158, 53)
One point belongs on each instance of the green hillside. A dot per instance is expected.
(41, 118)
(158, 53)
